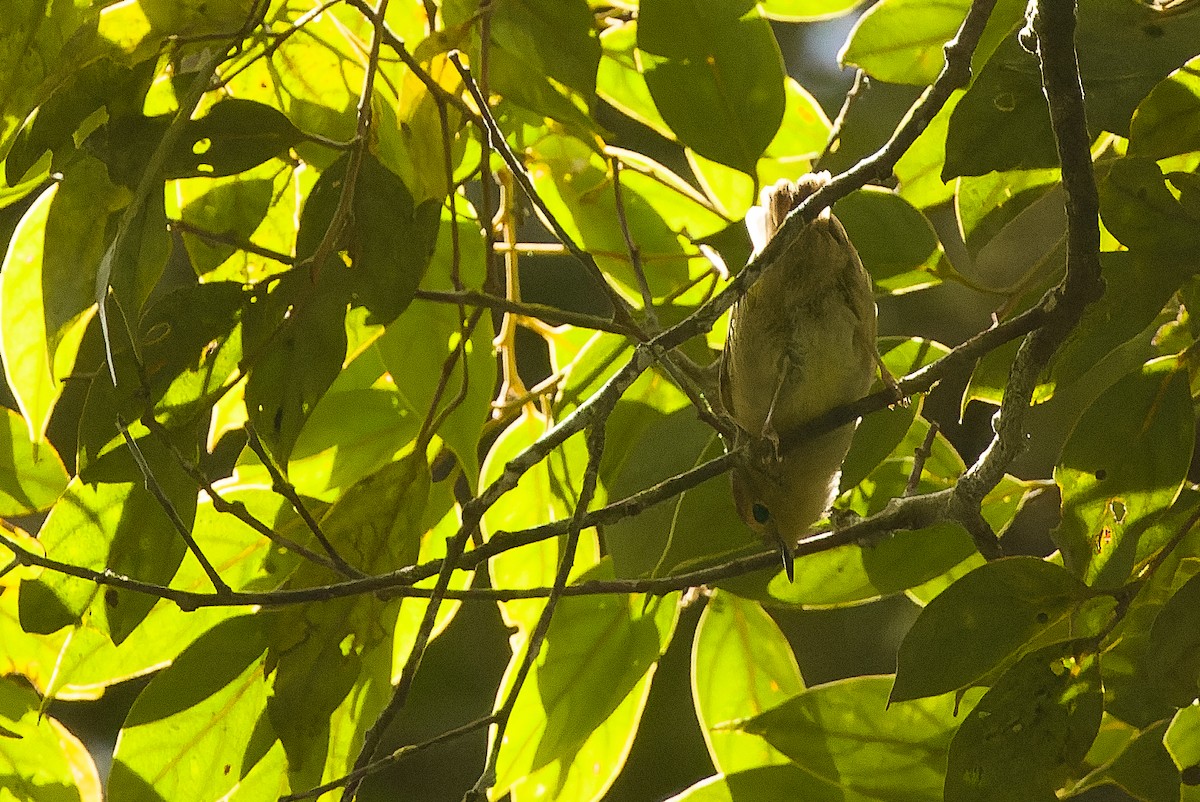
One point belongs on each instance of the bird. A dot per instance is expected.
(801, 341)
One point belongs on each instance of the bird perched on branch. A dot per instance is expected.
(801, 342)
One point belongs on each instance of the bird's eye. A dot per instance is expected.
(760, 513)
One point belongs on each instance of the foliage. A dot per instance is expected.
(265, 432)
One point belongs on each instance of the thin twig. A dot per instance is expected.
(222, 505)
(281, 485)
(533, 647)
(635, 253)
(919, 456)
(835, 132)
(395, 757)
(621, 309)
(168, 506)
(552, 315)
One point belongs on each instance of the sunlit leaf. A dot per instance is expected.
(848, 735)
(46, 761)
(741, 665)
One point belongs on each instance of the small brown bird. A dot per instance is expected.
(801, 342)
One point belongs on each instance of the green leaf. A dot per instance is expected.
(88, 662)
(1137, 287)
(982, 621)
(1144, 769)
(991, 204)
(556, 38)
(741, 665)
(901, 41)
(235, 135)
(1182, 738)
(47, 286)
(190, 347)
(765, 784)
(579, 708)
(416, 346)
(114, 526)
(619, 81)
(1124, 48)
(350, 434)
(896, 243)
(138, 263)
(705, 528)
(187, 733)
(389, 240)
(44, 761)
(879, 433)
(1121, 467)
(1145, 213)
(101, 84)
(716, 75)
(848, 735)
(32, 475)
(259, 207)
(316, 77)
(30, 46)
(331, 659)
(1167, 121)
(1029, 731)
(1173, 655)
(295, 343)
(919, 170)
(806, 10)
(546, 492)
(1002, 122)
(576, 186)
(1131, 690)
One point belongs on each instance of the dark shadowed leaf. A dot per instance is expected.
(1121, 467)
(716, 75)
(980, 622)
(1024, 737)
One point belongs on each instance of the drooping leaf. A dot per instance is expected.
(47, 286)
(716, 76)
(235, 135)
(981, 621)
(1121, 467)
(741, 665)
(331, 660)
(847, 735)
(1026, 734)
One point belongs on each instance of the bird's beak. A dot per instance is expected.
(789, 561)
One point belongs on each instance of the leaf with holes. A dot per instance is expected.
(1121, 467)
